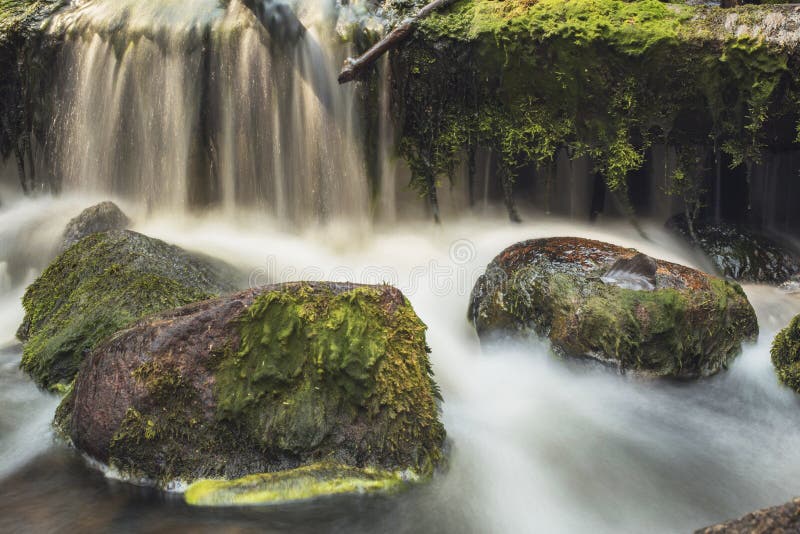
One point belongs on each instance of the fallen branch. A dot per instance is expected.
(355, 66)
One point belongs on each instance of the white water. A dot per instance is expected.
(538, 444)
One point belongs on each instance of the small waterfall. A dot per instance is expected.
(179, 107)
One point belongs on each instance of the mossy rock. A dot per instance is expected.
(100, 285)
(786, 354)
(689, 325)
(102, 217)
(266, 380)
(741, 252)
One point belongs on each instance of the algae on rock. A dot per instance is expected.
(100, 285)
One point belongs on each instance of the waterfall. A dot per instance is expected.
(177, 107)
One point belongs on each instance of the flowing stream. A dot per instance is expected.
(215, 135)
(537, 444)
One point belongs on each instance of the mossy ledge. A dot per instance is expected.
(786, 354)
(100, 285)
(689, 325)
(601, 79)
(261, 382)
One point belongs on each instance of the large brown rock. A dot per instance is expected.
(268, 379)
(613, 304)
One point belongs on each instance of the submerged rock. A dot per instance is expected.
(100, 285)
(101, 217)
(786, 354)
(270, 379)
(783, 519)
(593, 299)
(740, 252)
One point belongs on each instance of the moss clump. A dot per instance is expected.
(786, 354)
(99, 286)
(604, 79)
(691, 325)
(270, 379)
(302, 483)
(311, 356)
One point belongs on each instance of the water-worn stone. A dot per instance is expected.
(101, 217)
(100, 285)
(783, 519)
(740, 252)
(689, 324)
(332, 378)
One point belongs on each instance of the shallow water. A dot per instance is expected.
(538, 444)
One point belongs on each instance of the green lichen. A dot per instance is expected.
(302, 483)
(786, 354)
(100, 285)
(605, 79)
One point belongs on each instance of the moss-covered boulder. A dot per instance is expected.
(740, 252)
(102, 217)
(598, 300)
(331, 378)
(100, 285)
(786, 354)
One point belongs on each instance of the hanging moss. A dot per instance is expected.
(603, 78)
(100, 285)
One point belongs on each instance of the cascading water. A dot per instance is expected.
(178, 107)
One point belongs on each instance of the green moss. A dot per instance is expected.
(786, 354)
(308, 482)
(99, 286)
(603, 78)
(309, 357)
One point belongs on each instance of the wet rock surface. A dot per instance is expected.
(783, 519)
(740, 252)
(592, 299)
(101, 217)
(264, 380)
(100, 285)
